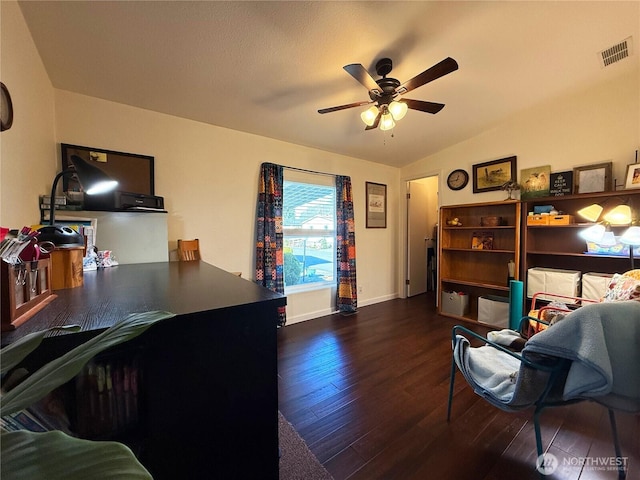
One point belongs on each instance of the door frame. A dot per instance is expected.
(403, 253)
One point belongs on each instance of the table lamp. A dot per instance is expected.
(93, 181)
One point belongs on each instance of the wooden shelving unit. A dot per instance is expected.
(477, 272)
(560, 246)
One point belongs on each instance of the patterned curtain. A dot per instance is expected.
(269, 253)
(347, 297)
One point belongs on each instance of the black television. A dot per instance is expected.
(133, 172)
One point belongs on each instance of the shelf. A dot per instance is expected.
(476, 250)
(589, 255)
(480, 227)
(472, 283)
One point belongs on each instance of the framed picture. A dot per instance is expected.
(492, 175)
(633, 176)
(376, 205)
(535, 182)
(561, 183)
(593, 178)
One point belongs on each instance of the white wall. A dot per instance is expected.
(208, 177)
(27, 150)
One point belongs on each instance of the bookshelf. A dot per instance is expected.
(477, 271)
(560, 246)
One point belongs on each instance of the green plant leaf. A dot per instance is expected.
(64, 368)
(56, 456)
(13, 354)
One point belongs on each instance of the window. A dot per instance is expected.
(309, 218)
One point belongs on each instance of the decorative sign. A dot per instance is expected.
(561, 183)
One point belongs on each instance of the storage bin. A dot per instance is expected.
(595, 285)
(455, 303)
(560, 219)
(538, 220)
(494, 309)
(553, 280)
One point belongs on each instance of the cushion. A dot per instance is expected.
(622, 287)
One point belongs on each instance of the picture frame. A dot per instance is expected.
(632, 178)
(593, 178)
(376, 201)
(489, 176)
(535, 182)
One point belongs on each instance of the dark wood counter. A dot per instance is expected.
(210, 373)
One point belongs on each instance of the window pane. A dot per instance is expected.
(308, 260)
(309, 233)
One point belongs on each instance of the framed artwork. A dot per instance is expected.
(632, 179)
(561, 183)
(493, 175)
(593, 178)
(376, 205)
(535, 182)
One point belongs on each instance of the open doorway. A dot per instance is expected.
(422, 219)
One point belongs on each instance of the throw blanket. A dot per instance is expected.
(501, 379)
(603, 342)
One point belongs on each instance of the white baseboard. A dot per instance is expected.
(328, 311)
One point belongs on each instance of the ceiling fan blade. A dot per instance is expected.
(429, 107)
(441, 69)
(357, 71)
(343, 107)
(375, 123)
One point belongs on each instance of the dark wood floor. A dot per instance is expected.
(368, 393)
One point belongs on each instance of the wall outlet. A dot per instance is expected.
(359, 289)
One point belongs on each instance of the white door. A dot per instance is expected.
(421, 213)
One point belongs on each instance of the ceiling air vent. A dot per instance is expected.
(616, 53)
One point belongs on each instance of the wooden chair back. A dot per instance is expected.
(189, 250)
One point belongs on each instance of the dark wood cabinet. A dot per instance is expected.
(560, 246)
(209, 396)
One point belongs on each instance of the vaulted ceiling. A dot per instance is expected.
(267, 67)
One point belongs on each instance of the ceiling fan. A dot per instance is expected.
(386, 93)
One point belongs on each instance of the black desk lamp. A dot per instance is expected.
(93, 181)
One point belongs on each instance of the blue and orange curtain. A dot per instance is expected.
(346, 296)
(269, 235)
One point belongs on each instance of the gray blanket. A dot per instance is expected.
(603, 342)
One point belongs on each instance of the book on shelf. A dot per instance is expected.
(482, 241)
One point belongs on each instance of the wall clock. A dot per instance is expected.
(6, 109)
(457, 179)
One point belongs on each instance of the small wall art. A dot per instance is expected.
(593, 178)
(561, 183)
(632, 179)
(493, 175)
(535, 182)
(376, 205)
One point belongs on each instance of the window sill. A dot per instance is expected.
(307, 288)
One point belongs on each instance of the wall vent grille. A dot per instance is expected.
(615, 53)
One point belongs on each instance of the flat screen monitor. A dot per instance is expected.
(133, 172)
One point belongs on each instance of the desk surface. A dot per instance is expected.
(109, 294)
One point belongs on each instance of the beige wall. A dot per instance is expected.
(209, 178)
(27, 150)
(599, 124)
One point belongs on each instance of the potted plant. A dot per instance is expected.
(54, 454)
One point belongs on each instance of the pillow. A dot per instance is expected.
(622, 287)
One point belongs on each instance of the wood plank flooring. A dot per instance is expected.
(368, 393)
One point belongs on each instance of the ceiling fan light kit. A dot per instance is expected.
(385, 93)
